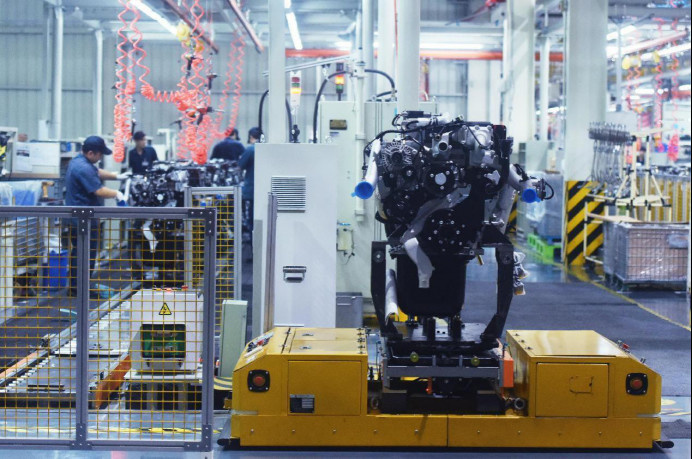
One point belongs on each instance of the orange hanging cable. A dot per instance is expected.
(124, 87)
(239, 46)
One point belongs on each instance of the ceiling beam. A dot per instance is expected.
(246, 25)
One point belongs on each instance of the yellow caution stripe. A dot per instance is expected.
(577, 202)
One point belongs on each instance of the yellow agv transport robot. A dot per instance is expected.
(445, 188)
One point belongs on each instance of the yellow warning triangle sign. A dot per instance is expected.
(165, 310)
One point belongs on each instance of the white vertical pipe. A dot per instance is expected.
(368, 31)
(521, 104)
(98, 83)
(618, 72)
(56, 118)
(505, 87)
(45, 80)
(408, 55)
(277, 132)
(386, 44)
(585, 82)
(544, 87)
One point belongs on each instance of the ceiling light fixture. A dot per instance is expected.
(153, 14)
(667, 51)
(684, 87)
(287, 4)
(624, 31)
(293, 29)
(451, 46)
(645, 91)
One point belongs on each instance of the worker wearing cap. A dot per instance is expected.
(229, 148)
(143, 156)
(84, 187)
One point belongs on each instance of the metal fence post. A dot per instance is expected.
(209, 292)
(237, 243)
(270, 262)
(83, 218)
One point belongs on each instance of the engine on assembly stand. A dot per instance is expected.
(160, 241)
(445, 189)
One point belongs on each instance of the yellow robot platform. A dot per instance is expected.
(309, 388)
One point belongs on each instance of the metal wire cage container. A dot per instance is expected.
(647, 253)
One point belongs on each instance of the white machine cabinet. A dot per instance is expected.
(303, 177)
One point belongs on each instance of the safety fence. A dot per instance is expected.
(102, 333)
(228, 204)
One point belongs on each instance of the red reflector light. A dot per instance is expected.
(636, 383)
(259, 381)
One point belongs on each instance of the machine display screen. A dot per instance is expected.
(163, 341)
(338, 125)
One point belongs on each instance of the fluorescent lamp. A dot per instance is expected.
(452, 46)
(675, 49)
(146, 9)
(667, 51)
(293, 29)
(624, 31)
(634, 97)
(287, 4)
(345, 45)
(684, 87)
(645, 91)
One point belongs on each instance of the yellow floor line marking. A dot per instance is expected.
(584, 278)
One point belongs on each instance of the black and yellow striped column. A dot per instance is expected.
(577, 201)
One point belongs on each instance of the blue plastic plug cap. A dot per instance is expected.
(363, 190)
(530, 195)
(122, 204)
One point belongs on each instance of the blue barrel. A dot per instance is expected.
(58, 268)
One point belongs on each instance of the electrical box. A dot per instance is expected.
(166, 334)
(303, 177)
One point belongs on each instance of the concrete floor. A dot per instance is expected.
(670, 306)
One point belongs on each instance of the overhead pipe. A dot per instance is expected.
(655, 43)
(490, 55)
(246, 25)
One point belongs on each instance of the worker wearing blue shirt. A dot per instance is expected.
(229, 148)
(247, 164)
(84, 187)
(142, 157)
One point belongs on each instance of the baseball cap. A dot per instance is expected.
(95, 143)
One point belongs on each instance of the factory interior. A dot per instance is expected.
(239, 228)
